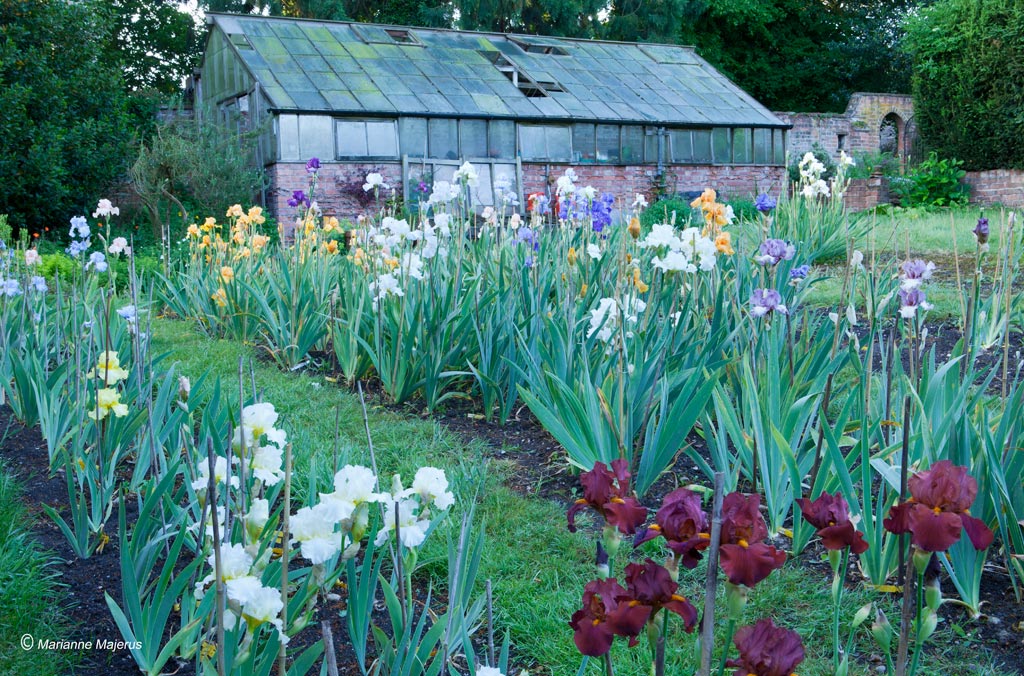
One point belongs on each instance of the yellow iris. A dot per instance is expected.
(108, 369)
(220, 297)
(108, 401)
(227, 274)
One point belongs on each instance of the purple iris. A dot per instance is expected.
(915, 272)
(775, 250)
(766, 301)
(298, 197)
(313, 165)
(423, 187)
(910, 300)
(799, 272)
(764, 203)
(527, 236)
(601, 211)
(77, 247)
(981, 230)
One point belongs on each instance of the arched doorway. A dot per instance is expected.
(890, 135)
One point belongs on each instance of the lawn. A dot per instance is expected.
(536, 566)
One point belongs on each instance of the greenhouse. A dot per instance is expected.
(414, 103)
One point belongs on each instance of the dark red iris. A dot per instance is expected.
(937, 511)
(593, 630)
(649, 585)
(609, 493)
(745, 558)
(683, 524)
(831, 516)
(767, 650)
(609, 610)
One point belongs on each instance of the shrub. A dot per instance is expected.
(190, 168)
(967, 82)
(934, 182)
(661, 211)
(822, 156)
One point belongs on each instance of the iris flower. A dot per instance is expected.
(981, 231)
(764, 203)
(683, 524)
(650, 587)
(745, 559)
(592, 627)
(766, 301)
(108, 401)
(772, 251)
(767, 650)
(609, 494)
(937, 511)
(831, 516)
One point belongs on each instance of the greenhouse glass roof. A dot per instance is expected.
(366, 69)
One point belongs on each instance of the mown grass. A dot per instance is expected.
(30, 594)
(944, 237)
(537, 568)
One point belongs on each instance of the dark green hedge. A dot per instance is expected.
(968, 80)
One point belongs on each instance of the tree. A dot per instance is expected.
(649, 21)
(567, 18)
(155, 43)
(802, 54)
(968, 80)
(66, 124)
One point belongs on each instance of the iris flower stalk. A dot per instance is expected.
(830, 514)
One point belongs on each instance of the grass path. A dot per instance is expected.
(538, 569)
(29, 593)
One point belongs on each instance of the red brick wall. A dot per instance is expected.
(866, 193)
(998, 186)
(338, 191)
(340, 183)
(625, 181)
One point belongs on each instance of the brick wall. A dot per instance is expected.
(338, 191)
(625, 181)
(861, 123)
(340, 184)
(998, 186)
(866, 193)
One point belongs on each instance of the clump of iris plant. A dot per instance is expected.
(935, 516)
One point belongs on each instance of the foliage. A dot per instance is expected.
(934, 182)
(870, 164)
(820, 154)
(66, 123)
(189, 167)
(156, 44)
(967, 81)
(799, 55)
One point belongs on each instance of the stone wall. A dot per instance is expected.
(997, 186)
